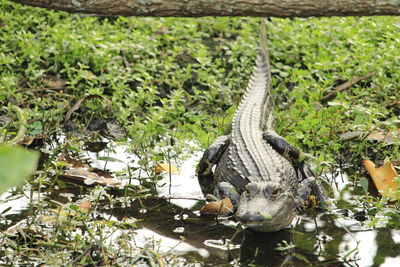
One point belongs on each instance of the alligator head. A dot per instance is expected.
(266, 206)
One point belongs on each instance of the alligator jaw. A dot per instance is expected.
(262, 208)
(266, 227)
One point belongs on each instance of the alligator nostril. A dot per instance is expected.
(248, 217)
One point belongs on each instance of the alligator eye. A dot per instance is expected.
(276, 192)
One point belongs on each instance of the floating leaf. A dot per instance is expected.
(83, 175)
(221, 207)
(110, 159)
(383, 177)
(162, 167)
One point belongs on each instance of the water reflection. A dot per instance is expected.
(338, 238)
(272, 249)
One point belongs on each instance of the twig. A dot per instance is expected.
(39, 89)
(345, 86)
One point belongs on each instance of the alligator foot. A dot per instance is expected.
(283, 147)
(210, 157)
(311, 187)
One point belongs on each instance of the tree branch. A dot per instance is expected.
(199, 8)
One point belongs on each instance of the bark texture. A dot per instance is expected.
(198, 8)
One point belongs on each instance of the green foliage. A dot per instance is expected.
(170, 80)
(16, 163)
(311, 57)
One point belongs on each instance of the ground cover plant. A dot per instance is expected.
(163, 86)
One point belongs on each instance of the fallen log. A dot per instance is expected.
(199, 8)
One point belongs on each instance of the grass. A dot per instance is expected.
(170, 80)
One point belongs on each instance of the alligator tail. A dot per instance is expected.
(268, 109)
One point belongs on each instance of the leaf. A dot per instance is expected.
(351, 135)
(53, 82)
(16, 163)
(110, 159)
(364, 184)
(383, 178)
(162, 167)
(35, 128)
(221, 207)
(85, 205)
(87, 177)
(301, 257)
(381, 136)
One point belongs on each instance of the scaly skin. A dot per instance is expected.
(262, 174)
(250, 162)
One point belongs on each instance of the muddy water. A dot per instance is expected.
(340, 237)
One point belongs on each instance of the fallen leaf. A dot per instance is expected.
(162, 167)
(221, 207)
(73, 162)
(83, 175)
(85, 205)
(381, 136)
(383, 178)
(53, 82)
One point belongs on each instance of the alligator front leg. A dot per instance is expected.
(283, 147)
(308, 187)
(210, 157)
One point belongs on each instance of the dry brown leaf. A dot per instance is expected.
(163, 167)
(73, 162)
(85, 205)
(53, 82)
(82, 175)
(221, 207)
(381, 136)
(383, 177)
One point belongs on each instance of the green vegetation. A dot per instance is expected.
(15, 165)
(181, 79)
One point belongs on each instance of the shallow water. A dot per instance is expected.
(340, 237)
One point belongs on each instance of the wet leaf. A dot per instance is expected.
(383, 178)
(162, 167)
(87, 177)
(73, 162)
(5, 210)
(221, 207)
(16, 163)
(110, 159)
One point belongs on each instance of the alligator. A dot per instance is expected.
(266, 178)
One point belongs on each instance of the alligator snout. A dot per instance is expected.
(252, 218)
